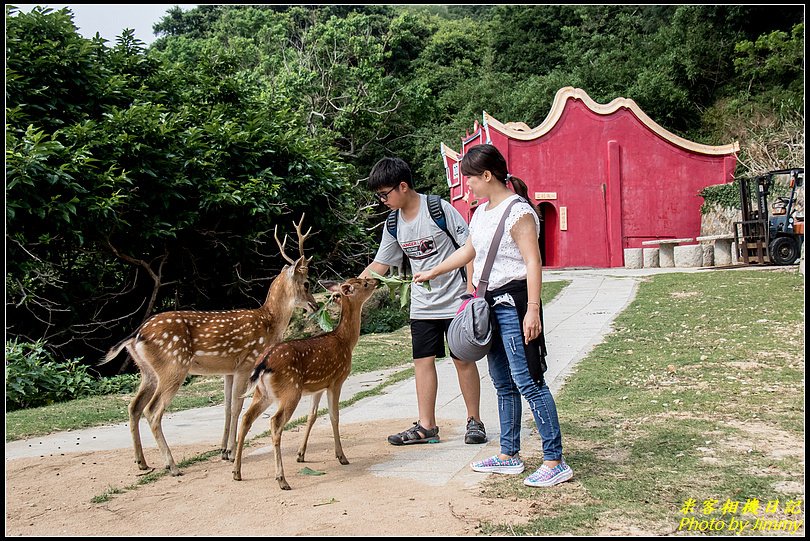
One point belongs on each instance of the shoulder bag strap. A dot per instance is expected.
(483, 283)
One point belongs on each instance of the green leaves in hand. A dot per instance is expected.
(399, 285)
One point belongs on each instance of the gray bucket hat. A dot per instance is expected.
(470, 333)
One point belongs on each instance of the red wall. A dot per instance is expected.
(618, 181)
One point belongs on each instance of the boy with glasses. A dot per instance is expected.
(425, 244)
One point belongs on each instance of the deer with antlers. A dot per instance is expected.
(170, 345)
(306, 366)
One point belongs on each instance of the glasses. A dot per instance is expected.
(383, 196)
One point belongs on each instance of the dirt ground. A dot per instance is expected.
(51, 495)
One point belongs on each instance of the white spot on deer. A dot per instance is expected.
(261, 340)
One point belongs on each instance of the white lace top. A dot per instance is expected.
(509, 264)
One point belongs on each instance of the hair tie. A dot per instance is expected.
(508, 177)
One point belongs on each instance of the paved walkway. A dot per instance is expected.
(575, 321)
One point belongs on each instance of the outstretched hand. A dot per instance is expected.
(424, 276)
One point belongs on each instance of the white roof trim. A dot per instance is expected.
(558, 107)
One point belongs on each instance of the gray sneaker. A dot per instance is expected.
(475, 432)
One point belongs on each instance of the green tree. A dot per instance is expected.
(162, 196)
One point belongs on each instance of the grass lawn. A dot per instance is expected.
(693, 403)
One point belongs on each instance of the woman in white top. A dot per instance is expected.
(517, 359)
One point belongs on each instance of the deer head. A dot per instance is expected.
(294, 278)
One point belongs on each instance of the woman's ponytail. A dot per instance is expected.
(522, 190)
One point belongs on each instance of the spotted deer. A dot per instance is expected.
(306, 366)
(170, 345)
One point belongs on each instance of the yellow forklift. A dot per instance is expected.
(769, 236)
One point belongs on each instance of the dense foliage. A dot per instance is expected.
(140, 179)
(34, 378)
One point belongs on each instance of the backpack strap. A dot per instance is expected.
(437, 213)
(391, 222)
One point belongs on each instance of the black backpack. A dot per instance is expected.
(434, 203)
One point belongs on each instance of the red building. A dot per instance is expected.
(606, 177)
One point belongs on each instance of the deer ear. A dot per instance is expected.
(301, 265)
(330, 285)
(347, 289)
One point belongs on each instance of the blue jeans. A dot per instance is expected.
(510, 375)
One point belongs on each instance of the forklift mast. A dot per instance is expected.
(757, 236)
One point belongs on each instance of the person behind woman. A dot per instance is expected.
(517, 358)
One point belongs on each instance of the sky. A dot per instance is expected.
(109, 20)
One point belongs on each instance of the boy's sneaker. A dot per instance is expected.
(416, 434)
(548, 477)
(495, 464)
(475, 432)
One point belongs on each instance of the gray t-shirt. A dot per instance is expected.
(426, 245)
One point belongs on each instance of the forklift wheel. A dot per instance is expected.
(784, 251)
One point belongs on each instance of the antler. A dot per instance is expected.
(281, 245)
(301, 239)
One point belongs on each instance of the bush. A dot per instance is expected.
(34, 379)
(120, 384)
(387, 315)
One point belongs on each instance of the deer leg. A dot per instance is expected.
(260, 403)
(277, 422)
(145, 393)
(166, 389)
(223, 448)
(333, 396)
(239, 386)
(313, 414)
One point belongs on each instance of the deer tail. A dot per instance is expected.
(255, 377)
(116, 349)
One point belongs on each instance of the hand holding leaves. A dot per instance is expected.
(398, 285)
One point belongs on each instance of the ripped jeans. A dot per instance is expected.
(510, 375)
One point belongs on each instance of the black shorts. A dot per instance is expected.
(427, 337)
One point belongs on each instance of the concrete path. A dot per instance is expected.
(577, 320)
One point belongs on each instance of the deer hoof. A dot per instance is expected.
(174, 470)
(300, 458)
(343, 460)
(283, 483)
(237, 476)
(142, 466)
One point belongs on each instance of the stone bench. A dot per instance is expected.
(650, 256)
(666, 249)
(632, 258)
(723, 254)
